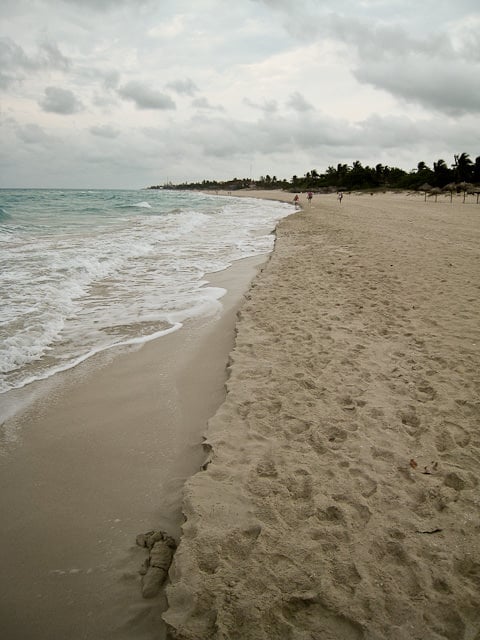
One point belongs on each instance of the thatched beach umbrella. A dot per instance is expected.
(426, 188)
(473, 189)
(466, 187)
(434, 192)
(451, 186)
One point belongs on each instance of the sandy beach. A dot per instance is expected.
(100, 454)
(341, 497)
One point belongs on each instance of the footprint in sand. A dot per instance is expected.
(454, 481)
(410, 421)
(366, 485)
(336, 435)
(450, 437)
(462, 438)
(357, 511)
(376, 412)
(300, 485)
(346, 576)
(347, 403)
(317, 441)
(332, 514)
(425, 393)
(266, 468)
(469, 568)
(308, 612)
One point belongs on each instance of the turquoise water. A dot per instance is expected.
(83, 271)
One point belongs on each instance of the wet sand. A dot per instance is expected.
(341, 500)
(101, 455)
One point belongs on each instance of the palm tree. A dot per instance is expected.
(463, 167)
(476, 170)
(379, 169)
(442, 173)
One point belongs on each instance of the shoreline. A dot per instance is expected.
(340, 498)
(98, 455)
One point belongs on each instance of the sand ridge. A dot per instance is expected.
(341, 495)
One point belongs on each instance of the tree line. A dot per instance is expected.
(346, 177)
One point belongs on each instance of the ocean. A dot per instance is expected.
(84, 271)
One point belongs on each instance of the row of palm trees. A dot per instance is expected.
(356, 176)
(463, 171)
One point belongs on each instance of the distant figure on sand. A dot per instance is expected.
(295, 201)
(340, 196)
(310, 196)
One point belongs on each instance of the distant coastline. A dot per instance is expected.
(463, 175)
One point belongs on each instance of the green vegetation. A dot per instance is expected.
(462, 173)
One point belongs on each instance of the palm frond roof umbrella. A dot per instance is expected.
(425, 187)
(451, 186)
(466, 187)
(434, 192)
(473, 189)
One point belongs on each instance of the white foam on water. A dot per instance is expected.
(75, 362)
(144, 205)
(83, 272)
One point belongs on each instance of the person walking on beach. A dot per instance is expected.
(340, 196)
(310, 196)
(296, 201)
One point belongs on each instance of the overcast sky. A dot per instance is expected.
(129, 93)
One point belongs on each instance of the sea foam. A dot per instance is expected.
(81, 272)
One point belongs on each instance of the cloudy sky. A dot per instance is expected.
(128, 93)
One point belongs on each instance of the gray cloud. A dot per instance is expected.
(374, 38)
(216, 146)
(298, 103)
(51, 56)
(326, 140)
(204, 104)
(183, 87)
(61, 101)
(443, 86)
(110, 79)
(470, 40)
(6, 80)
(428, 71)
(33, 134)
(144, 97)
(13, 57)
(107, 78)
(268, 106)
(425, 61)
(104, 131)
(104, 5)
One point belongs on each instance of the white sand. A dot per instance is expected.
(341, 500)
